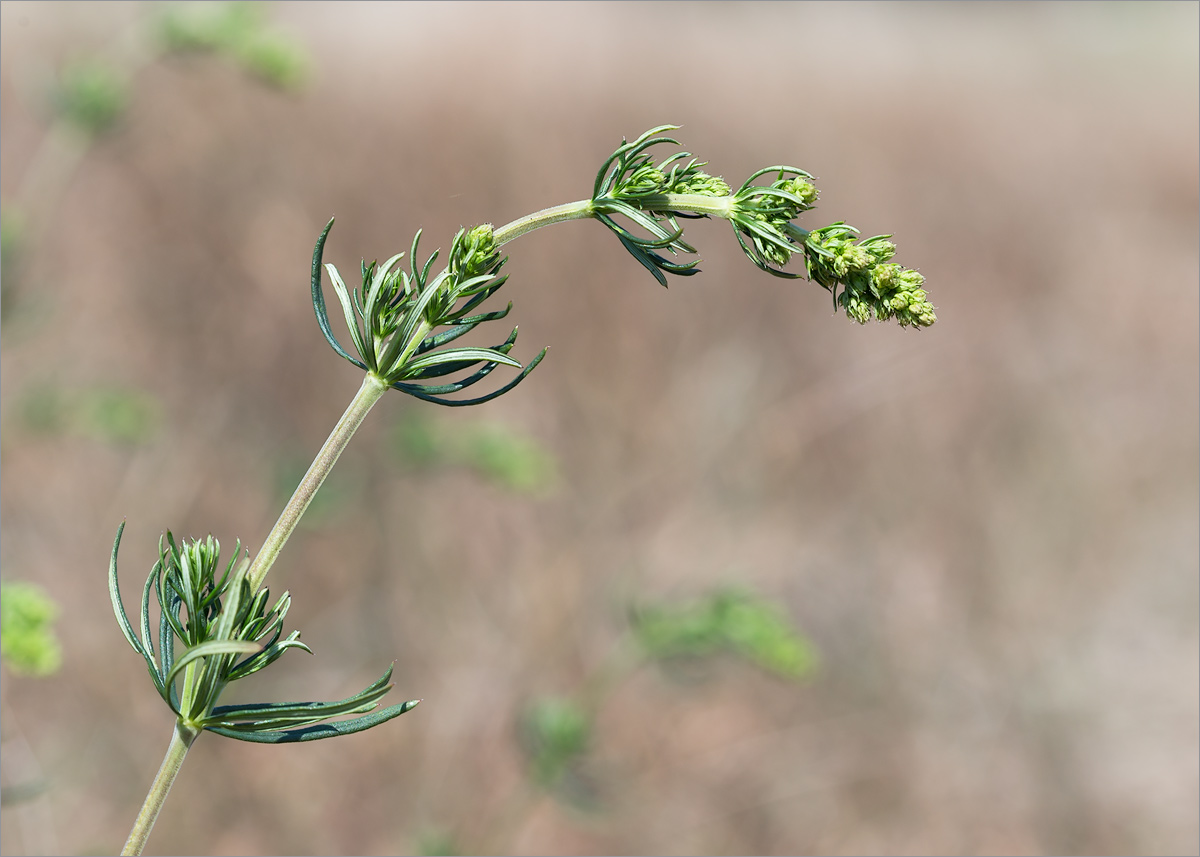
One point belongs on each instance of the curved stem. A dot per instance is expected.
(580, 210)
(181, 740)
(716, 206)
(368, 394)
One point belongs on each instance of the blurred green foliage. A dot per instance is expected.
(91, 95)
(556, 733)
(27, 642)
(110, 414)
(436, 843)
(510, 460)
(727, 620)
(416, 441)
(12, 238)
(503, 457)
(238, 31)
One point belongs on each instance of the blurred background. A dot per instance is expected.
(975, 546)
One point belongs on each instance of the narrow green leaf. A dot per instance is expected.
(457, 316)
(494, 315)
(238, 717)
(439, 339)
(449, 368)
(318, 300)
(460, 403)
(453, 355)
(767, 234)
(269, 654)
(147, 640)
(210, 649)
(640, 254)
(441, 389)
(776, 193)
(428, 262)
(663, 237)
(413, 317)
(114, 593)
(176, 603)
(267, 724)
(166, 644)
(374, 288)
(777, 168)
(325, 730)
(374, 690)
(349, 304)
(368, 696)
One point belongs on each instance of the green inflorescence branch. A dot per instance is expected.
(403, 325)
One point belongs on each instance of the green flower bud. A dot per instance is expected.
(880, 248)
(885, 277)
(858, 310)
(645, 180)
(776, 255)
(857, 259)
(799, 187)
(844, 261)
(699, 183)
(473, 252)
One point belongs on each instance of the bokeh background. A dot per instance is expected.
(987, 531)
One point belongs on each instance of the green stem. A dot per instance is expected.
(369, 393)
(715, 206)
(181, 740)
(580, 210)
(695, 203)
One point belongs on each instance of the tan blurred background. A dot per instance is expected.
(988, 530)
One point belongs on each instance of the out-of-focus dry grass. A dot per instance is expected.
(989, 529)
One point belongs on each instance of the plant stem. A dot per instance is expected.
(368, 394)
(716, 206)
(580, 210)
(181, 739)
(695, 203)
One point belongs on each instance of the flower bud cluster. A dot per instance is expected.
(474, 261)
(860, 274)
(872, 287)
(473, 252)
(695, 181)
(394, 317)
(644, 179)
(800, 187)
(764, 214)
